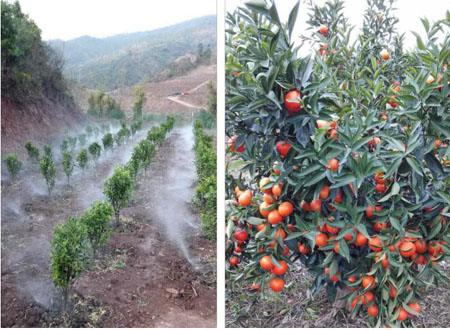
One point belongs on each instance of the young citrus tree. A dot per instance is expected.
(95, 150)
(96, 220)
(82, 159)
(48, 151)
(83, 139)
(13, 164)
(68, 254)
(147, 153)
(64, 145)
(33, 152)
(108, 141)
(67, 164)
(117, 190)
(48, 170)
(345, 151)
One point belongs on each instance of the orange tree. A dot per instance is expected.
(342, 156)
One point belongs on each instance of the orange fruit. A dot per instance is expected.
(324, 192)
(290, 101)
(437, 143)
(245, 198)
(323, 29)
(305, 206)
(274, 217)
(421, 246)
(315, 205)
(333, 164)
(233, 261)
(375, 243)
(361, 240)
(403, 314)
(368, 282)
(261, 226)
(369, 211)
(276, 189)
(407, 249)
(283, 148)
(322, 123)
(266, 262)
(262, 183)
(321, 239)
(367, 298)
(268, 198)
(415, 306)
(263, 206)
(338, 198)
(372, 310)
(430, 79)
(281, 232)
(392, 292)
(381, 188)
(285, 209)
(384, 54)
(276, 284)
(241, 235)
(280, 270)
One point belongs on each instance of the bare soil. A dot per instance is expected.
(139, 279)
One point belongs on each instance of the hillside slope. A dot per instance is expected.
(126, 59)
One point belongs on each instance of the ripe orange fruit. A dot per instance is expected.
(333, 164)
(241, 235)
(384, 54)
(245, 198)
(262, 183)
(263, 206)
(292, 101)
(233, 261)
(338, 198)
(348, 236)
(367, 298)
(274, 217)
(238, 249)
(379, 178)
(305, 206)
(434, 249)
(392, 292)
(380, 188)
(322, 123)
(279, 232)
(407, 249)
(336, 247)
(276, 189)
(324, 192)
(283, 148)
(430, 79)
(240, 148)
(384, 261)
(261, 226)
(379, 225)
(303, 248)
(266, 262)
(268, 198)
(414, 306)
(375, 243)
(421, 246)
(285, 209)
(437, 143)
(276, 284)
(355, 302)
(361, 240)
(369, 211)
(315, 205)
(372, 310)
(321, 239)
(403, 314)
(368, 282)
(323, 29)
(280, 270)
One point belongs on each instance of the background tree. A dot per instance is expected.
(13, 164)
(95, 150)
(33, 152)
(140, 98)
(96, 220)
(117, 190)
(82, 158)
(49, 172)
(211, 106)
(68, 254)
(64, 146)
(67, 164)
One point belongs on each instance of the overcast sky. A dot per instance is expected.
(68, 19)
(409, 13)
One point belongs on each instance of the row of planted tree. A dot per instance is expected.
(206, 193)
(75, 238)
(68, 146)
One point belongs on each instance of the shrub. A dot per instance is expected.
(108, 141)
(64, 145)
(206, 196)
(343, 151)
(82, 158)
(33, 152)
(147, 153)
(135, 163)
(13, 164)
(95, 150)
(96, 220)
(49, 172)
(117, 190)
(68, 254)
(48, 151)
(67, 164)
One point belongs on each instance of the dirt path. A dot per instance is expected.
(186, 104)
(140, 278)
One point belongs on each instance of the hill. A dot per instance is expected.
(126, 59)
(36, 102)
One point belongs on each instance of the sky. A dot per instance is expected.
(68, 19)
(409, 13)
